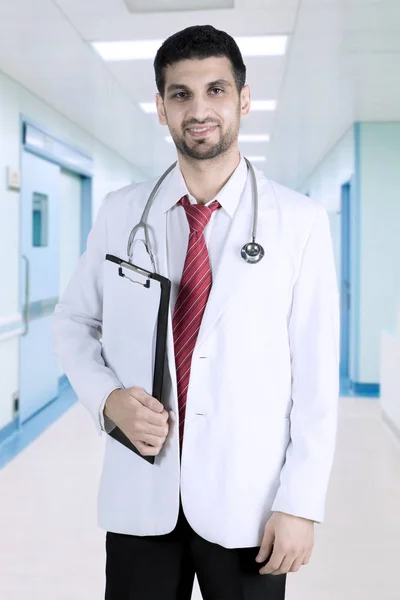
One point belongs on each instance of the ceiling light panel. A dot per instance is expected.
(261, 45)
(143, 49)
(263, 105)
(141, 6)
(256, 137)
(257, 158)
(149, 107)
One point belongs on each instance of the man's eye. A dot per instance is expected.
(217, 90)
(180, 95)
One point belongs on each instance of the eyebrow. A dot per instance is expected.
(182, 86)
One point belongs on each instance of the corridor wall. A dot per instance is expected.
(368, 157)
(379, 159)
(110, 172)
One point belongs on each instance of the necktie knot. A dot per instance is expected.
(198, 215)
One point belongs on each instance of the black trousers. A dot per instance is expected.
(163, 568)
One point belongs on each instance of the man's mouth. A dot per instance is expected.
(199, 132)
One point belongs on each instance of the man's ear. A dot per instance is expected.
(162, 118)
(245, 101)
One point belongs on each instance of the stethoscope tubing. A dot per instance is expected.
(143, 221)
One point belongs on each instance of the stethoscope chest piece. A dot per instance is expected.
(252, 252)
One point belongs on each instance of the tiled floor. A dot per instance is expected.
(51, 549)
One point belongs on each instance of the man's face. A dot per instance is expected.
(202, 107)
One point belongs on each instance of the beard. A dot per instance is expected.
(201, 149)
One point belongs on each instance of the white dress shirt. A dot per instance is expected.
(215, 231)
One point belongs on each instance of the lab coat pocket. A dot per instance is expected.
(130, 313)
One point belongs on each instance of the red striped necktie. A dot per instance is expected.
(192, 298)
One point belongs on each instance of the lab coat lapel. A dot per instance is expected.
(232, 270)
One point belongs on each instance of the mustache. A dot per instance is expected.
(193, 123)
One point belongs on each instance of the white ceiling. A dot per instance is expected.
(343, 63)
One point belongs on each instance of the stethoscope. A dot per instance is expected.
(252, 252)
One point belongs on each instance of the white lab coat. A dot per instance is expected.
(261, 411)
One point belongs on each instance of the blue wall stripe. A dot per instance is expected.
(8, 431)
(14, 440)
(371, 390)
(360, 390)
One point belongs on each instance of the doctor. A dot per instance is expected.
(244, 440)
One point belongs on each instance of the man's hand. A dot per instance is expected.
(140, 417)
(292, 539)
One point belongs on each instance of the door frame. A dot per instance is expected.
(346, 304)
(36, 140)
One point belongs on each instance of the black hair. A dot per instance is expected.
(198, 42)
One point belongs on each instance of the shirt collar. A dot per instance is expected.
(228, 197)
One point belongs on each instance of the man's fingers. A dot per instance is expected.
(149, 427)
(154, 418)
(152, 440)
(146, 400)
(147, 450)
(156, 430)
(285, 565)
(266, 546)
(296, 565)
(289, 563)
(274, 563)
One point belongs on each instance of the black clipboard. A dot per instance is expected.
(161, 337)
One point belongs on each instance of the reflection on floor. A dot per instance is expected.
(51, 549)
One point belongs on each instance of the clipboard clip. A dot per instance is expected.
(123, 264)
(122, 274)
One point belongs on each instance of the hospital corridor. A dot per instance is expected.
(79, 120)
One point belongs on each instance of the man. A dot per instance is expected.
(244, 439)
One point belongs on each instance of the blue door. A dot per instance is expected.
(345, 296)
(40, 248)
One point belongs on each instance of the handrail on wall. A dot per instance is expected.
(10, 327)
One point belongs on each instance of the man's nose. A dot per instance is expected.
(199, 109)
